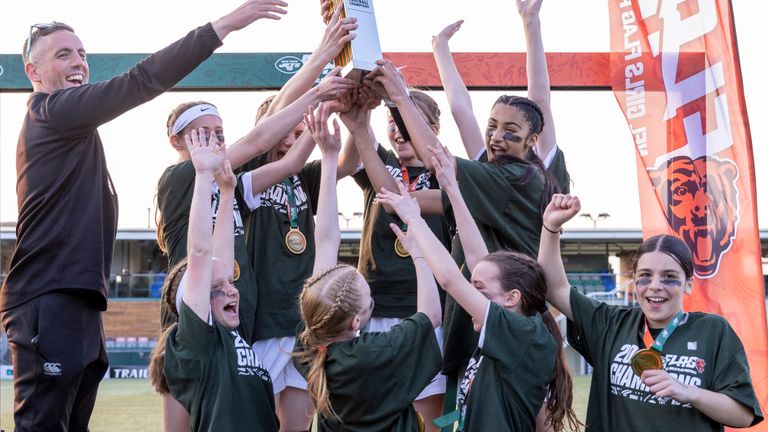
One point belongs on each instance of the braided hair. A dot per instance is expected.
(328, 301)
(521, 272)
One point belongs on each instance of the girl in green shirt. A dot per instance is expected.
(360, 382)
(518, 374)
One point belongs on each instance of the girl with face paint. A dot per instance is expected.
(503, 134)
(658, 365)
(203, 361)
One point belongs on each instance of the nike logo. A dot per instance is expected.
(205, 109)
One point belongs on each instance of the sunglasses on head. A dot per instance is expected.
(41, 29)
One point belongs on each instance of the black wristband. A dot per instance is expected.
(399, 122)
(560, 231)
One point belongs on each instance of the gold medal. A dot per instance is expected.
(400, 249)
(645, 359)
(295, 241)
(235, 271)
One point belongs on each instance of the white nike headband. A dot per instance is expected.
(191, 115)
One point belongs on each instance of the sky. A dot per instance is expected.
(590, 127)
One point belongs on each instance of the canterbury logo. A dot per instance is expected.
(52, 368)
(701, 202)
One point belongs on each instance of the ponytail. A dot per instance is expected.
(157, 363)
(559, 402)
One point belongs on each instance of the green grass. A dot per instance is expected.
(131, 405)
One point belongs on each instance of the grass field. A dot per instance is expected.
(130, 405)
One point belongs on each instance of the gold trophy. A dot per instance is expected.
(359, 55)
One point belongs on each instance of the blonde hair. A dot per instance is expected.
(328, 301)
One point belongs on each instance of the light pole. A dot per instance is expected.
(347, 219)
(594, 219)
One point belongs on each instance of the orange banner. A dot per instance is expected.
(676, 75)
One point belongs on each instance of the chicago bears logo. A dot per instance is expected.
(700, 364)
(701, 202)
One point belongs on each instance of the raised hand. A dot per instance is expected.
(225, 177)
(332, 86)
(325, 10)
(344, 103)
(446, 34)
(445, 167)
(317, 123)
(389, 77)
(409, 242)
(358, 115)
(337, 32)
(207, 153)
(528, 8)
(560, 210)
(406, 207)
(247, 13)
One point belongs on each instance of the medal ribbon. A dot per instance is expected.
(410, 187)
(293, 209)
(658, 344)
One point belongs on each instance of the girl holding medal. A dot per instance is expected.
(384, 261)
(367, 381)
(519, 359)
(207, 366)
(656, 367)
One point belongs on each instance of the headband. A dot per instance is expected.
(191, 115)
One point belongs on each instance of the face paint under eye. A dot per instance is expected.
(489, 132)
(671, 282)
(217, 293)
(220, 136)
(643, 281)
(392, 128)
(510, 136)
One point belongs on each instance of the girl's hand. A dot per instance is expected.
(389, 77)
(317, 123)
(332, 86)
(446, 34)
(207, 153)
(662, 384)
(337, 32)
(560, 210)
(406, 207)
(225, 177)
(445, 167)
(409, 242)
(528, 8)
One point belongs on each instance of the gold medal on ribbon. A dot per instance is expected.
(645, 359)
(295, 241)
(235, 271)
(400, 249)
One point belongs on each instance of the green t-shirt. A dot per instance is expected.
(507, 378)
(374, 378)
(703, 351)
(217, 377)
(174, 199)
(556, 167)
(280, 273)
(505, 202)
(392, 278)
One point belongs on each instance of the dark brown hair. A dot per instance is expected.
(523, 273)
(41, 30)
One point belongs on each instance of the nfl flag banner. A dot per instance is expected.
(675, 73)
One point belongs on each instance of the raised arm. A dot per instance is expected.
(327, 233)
(471, 240)
(561, 209)
(456, 92)
(537, 74)
(207, 157)
(336, 35)
(224, 230)
(271, 130)
(427, 297)
(445, 270)
(269, 174)
(247, 13)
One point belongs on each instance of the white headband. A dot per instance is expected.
(191, 115)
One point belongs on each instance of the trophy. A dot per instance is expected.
(359, 55)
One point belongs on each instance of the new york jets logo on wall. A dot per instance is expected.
(288, 64)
